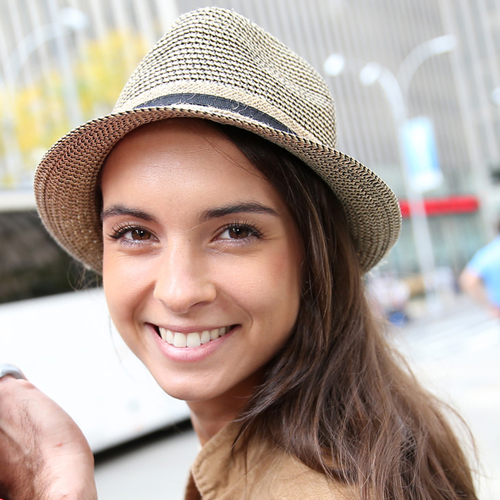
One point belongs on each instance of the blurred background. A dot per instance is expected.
(417, 92)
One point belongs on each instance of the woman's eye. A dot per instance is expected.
(131, 234)
(138, 234)
(238, 232)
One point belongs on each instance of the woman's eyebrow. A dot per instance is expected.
(249, 207)
(115, 210)
(211, 213)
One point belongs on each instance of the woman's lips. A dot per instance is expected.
(192, 339)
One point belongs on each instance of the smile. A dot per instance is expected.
(192, 339)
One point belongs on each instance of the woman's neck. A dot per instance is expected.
(210, 416)
(207, 423)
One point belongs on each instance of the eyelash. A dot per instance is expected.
(119, 232)
(249, 226)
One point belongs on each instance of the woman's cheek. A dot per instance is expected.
(123, 287)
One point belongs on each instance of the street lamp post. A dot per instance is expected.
(395, 89)
(420, 227)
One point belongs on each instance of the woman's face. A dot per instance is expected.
(202, 260)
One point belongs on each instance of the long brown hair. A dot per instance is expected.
(337, 396)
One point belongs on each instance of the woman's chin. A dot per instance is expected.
(190, 390)
(193, 389)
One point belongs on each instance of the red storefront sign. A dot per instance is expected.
(450, 205)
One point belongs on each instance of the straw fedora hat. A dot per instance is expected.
(217, 65)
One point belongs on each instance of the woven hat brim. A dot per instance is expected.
(67, 195)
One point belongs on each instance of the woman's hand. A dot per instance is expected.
(43, 453)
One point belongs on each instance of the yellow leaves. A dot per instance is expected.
(35, 116)
(104, 69)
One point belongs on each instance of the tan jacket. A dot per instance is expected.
(266, 474)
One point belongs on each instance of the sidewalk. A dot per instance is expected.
(456, 354)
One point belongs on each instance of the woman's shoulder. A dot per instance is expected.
(282, 476)
(259, 471)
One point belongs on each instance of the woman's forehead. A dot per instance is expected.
(178, 136)
(181, 159)
(173, 127)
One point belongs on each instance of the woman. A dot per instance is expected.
(232, 237)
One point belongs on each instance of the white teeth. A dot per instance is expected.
(166, 335)
(170, 337)
(180, 340)
(193, 339)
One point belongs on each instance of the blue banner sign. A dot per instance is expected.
(420, 151)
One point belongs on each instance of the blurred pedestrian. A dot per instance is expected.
(481, 277)
(233, 237)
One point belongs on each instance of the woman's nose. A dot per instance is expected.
(183, 280)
